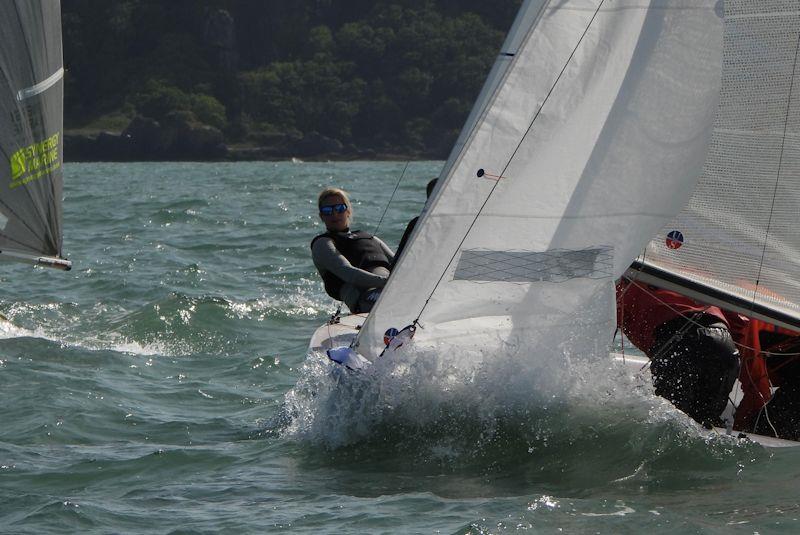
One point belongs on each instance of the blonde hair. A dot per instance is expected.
(330, 192)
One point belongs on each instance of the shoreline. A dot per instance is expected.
(113, 147)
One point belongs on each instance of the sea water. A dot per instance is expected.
(164, 386)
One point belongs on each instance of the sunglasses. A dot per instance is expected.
(328, 209)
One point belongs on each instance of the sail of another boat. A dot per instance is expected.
(31, 132)
(737, 242)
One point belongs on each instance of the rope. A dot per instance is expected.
(334, 319)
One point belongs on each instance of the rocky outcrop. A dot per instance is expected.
(178, 137)
(313, 144)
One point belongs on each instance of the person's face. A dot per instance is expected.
(335, 220)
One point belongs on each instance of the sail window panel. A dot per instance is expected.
(530, 266)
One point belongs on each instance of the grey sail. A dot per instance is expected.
(31, 132)
(737, 242)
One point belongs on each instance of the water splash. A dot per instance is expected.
(586, 424)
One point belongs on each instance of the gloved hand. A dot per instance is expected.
(373, 296)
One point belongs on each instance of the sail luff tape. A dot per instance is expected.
(41, 87)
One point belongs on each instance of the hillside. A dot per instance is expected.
(239, 79)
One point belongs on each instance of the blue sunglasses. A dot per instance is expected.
(330, 208)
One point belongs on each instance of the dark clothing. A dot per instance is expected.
(404, 239)
(642, 308)
(694, 366)
(694, 360)
(353, 266)
(360, 248)
(781, 416)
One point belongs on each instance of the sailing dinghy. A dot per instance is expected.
(31, 133)
(587, 140)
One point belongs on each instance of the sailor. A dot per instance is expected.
(694, 360)
(413, 222)
(354, 265)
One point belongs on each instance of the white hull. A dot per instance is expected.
(343, 332)
(339, 334)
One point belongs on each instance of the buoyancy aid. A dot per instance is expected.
(360, 248)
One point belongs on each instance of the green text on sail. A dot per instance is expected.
(35, 161)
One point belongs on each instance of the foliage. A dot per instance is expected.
(389, 75)
(158, 99)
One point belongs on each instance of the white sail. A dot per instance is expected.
(588, 136)
(31, 132)
(737, 243)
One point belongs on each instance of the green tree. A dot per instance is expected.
(385, 74)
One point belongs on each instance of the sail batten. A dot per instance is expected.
(41, 87)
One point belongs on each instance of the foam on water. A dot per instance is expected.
(454, 406)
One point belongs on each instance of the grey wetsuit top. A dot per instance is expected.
(327, 258)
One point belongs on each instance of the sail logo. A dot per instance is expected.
(35, 161)
(17, 165)
(675, 239)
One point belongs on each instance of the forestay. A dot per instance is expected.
(588, 136)
(31, 140)
(737, 243)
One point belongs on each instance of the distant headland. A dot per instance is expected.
(310, 79)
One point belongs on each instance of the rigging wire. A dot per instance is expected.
(391, 198)
(511, 158)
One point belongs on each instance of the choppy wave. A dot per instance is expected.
(163, 385)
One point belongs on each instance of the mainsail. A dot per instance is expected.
(737, 242)
(31, 132)
(588, 136)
